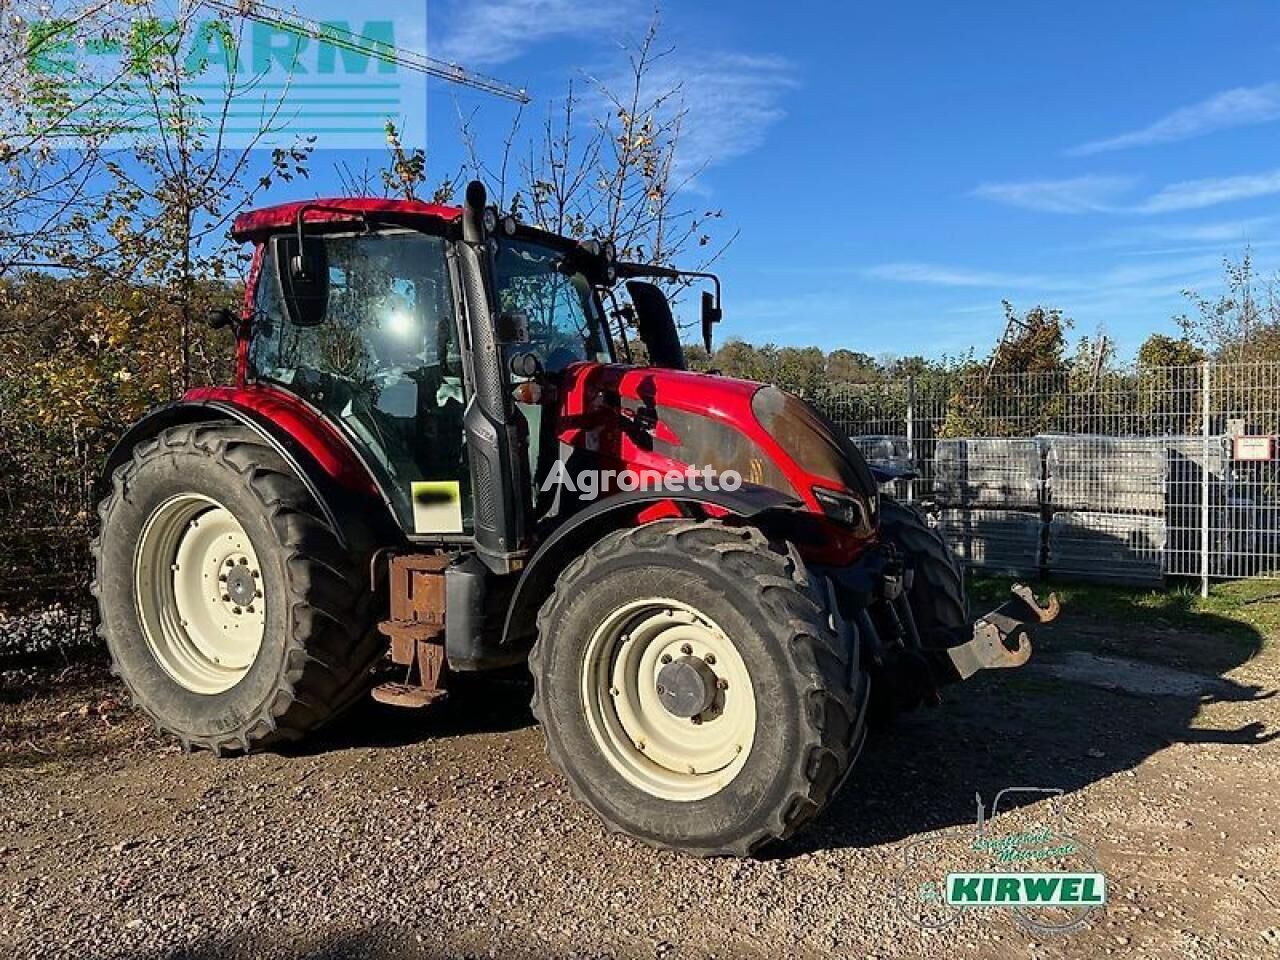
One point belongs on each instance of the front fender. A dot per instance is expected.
(576, 535)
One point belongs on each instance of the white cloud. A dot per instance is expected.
(496, 32)
(1086, 194)
(1100, 194)
(1212, 232)
(726, 103)
(942, 275)
(1195, 194)
(1170, 273)
(1243, 106)
(729, 101)
(1167, 274)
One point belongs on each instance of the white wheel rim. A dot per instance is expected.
(198, 588)
(671, 757)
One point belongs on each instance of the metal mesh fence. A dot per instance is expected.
(1121, 475)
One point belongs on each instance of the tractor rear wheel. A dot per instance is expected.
(692, 689)
(231, 611)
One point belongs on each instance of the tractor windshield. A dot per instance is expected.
(565, 321)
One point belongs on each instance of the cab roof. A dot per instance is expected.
(255, 224)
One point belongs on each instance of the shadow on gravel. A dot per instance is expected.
(477, 703)
(378, 942)
(1085, 708)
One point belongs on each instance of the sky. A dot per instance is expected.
(896, 170)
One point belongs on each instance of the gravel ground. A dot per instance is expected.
(446, 833)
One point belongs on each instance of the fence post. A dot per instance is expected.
(1204, 478)
(911, 435)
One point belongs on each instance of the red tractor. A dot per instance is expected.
(433, 454)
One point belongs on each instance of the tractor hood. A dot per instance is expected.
(660, 419)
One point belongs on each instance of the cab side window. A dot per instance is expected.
(385, 364)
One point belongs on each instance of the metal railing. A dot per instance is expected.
(1128, 475)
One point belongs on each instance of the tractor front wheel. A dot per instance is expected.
(692, 689)
(231, 611)
(937, 596)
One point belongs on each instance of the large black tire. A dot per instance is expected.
(937, 595)
(318, 641)
(808, 683)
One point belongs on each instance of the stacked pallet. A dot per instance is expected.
(1111, 547)
(1186, 464)
(1127, 508)
(997, 541)
(990, 495)
(893, 453)
(1119, 509)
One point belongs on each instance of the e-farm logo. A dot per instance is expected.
(1026, 889)
(266, 84)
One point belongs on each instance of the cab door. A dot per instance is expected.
(385, 365)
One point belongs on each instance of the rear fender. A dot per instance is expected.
(332, 474)
(574, 536)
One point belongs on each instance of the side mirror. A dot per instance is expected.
(303, 273)
(512, 327)
(223, 317)
(711, 315)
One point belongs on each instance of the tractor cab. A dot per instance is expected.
(388, 323)
(375, 339)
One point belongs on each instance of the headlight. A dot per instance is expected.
(811, 440)
(842, 508)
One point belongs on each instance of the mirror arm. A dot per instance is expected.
(300, 228)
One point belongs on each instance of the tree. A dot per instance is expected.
(1243, 322)
(113, 245)
(1038, 342)
(1023, 388)
(622, 180)
(848, 366)
(1161, 350)
(801, 369)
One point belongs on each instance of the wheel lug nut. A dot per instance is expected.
(258, 594)
(237, 611)
(244, 561)
(256, 574)
(696, 720)
(661, 690)
(249, 608)
(230, 562)
(686, 650)
(222, 578)
(722, 683)
(226, 597)
(666, 658)
(709, 659)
